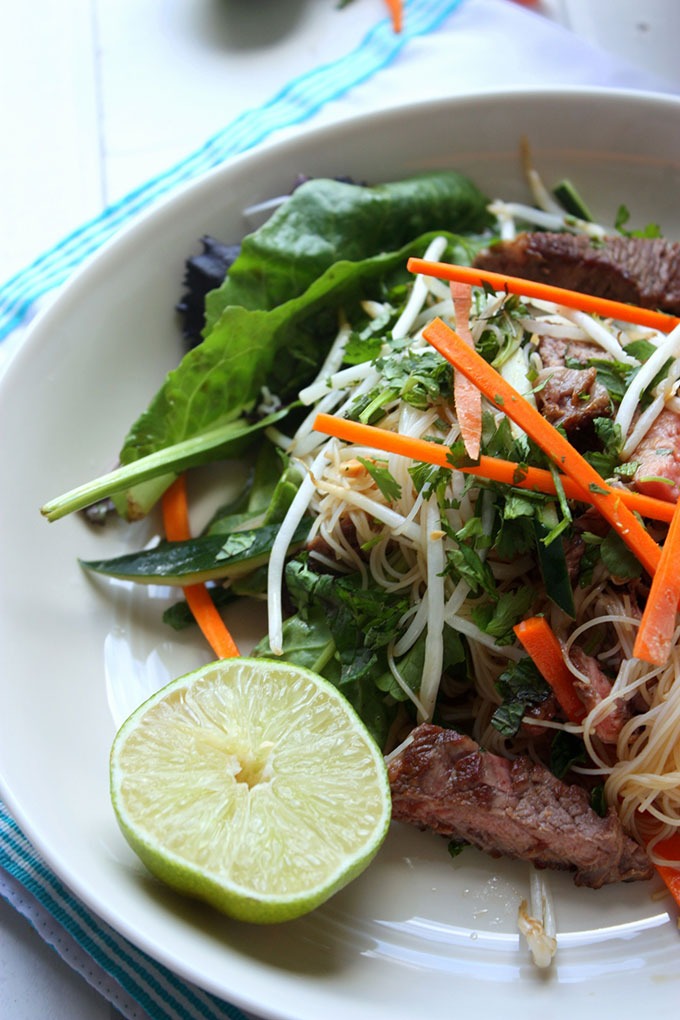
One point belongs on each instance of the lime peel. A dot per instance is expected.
(251, 784)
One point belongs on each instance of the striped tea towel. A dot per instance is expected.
(299, 100)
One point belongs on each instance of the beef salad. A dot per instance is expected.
(405, 582)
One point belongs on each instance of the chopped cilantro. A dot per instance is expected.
(456, 846)
(458, 456)
(359, 349)
(465, 563)
(651, 230)
(626, 470)
(620, 562)
(428, 479)
(383, 478)
(640, 349)
(419, 378)
(497, 617)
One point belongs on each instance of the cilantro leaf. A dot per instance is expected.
(598, 800)
(428, 479)
(237, 544)
(651, 230)
(618, 559)
(465, 562)
(359, 349)
(383, 478)
(497, 618)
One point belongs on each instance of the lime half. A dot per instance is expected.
(251, 784)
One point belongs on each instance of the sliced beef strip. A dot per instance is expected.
(641, 271)
(554, 351)
(573, 398)
(594, 689)
(658, 458)
(444, 782)
(544, 711)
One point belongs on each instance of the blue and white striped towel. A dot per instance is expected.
(455, 59)
(299, 100)
(135, 984)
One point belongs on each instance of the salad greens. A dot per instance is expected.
(325, 248)
(342, 629)
(328, 253)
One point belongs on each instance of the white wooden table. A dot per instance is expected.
(96, 96)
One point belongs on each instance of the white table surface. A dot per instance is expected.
(98, 96)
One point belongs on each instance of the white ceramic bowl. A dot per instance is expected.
(417, 934)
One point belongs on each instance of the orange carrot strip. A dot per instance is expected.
(176, 525)
(210, 622)
(494, 469)
(467, 398)
(655, 634)
(542, 646)
(176, 511)
(396, 9)
(546, 292)
(606, 499)
(670, 849)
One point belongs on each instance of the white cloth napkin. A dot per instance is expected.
(448, 47)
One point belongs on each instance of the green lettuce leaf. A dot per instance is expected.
(327, 248)
(325, 221)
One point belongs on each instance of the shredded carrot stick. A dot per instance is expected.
(568, 460)
(535, 634)
(176, 511)
(494, 469)
(543, 647)
(467, 398)
(670, 849)
(176, 525)
(655, 634)
(396, 9)
(546, 292)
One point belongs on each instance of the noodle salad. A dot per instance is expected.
(406, 582)
(462, 557)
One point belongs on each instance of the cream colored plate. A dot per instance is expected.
(418, 933)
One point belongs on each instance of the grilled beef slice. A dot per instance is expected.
(555, 351)
(445, 782)
(658, 458)
(641, 271)
(593, 690)
(573, 398)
